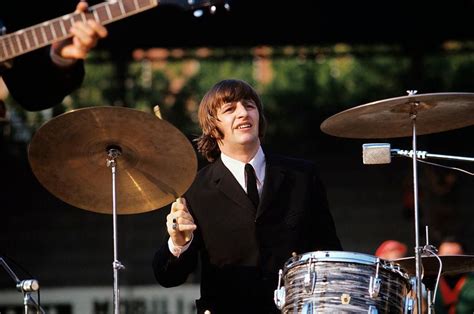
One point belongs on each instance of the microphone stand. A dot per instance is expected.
(30, 303)
(426, 155)
(25, 286)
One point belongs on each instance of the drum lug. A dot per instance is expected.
(409, 305)
(374, 287)
(309, 280)
(375, 283)
(307, 308)
(279, 295)
(373, 310)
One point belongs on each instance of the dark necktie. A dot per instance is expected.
(252, 191)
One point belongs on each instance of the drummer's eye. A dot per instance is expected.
(226, 108)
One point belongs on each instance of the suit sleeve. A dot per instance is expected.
(37, 83)
(171, 271)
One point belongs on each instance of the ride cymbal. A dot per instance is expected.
(391, 118)
(69, 153)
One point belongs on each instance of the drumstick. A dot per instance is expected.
(179, 200)
(157, 111)
(187, 234)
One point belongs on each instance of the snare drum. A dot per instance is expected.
(342, 282)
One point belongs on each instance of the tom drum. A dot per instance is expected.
(342, 282)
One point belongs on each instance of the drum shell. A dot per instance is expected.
(332, 281)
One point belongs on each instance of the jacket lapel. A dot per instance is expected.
(227, 184)
(274, 176)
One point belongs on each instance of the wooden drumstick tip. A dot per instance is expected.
(157, 112)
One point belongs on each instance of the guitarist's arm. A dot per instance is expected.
(41, 79)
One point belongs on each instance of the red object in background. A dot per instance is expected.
(391, 249)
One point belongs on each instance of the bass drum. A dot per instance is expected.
(341, 282)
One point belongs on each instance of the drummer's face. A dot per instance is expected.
(239, 124)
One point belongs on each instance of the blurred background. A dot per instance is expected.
(309, 60)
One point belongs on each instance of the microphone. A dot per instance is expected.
(381, 153)
(28, 285)
(376, 153)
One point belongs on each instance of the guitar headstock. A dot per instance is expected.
(199, 7)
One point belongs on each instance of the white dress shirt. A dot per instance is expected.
(237, 168)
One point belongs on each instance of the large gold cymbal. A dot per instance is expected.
(391, 118)
(68, 155)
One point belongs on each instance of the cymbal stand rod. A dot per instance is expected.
(113, 153)
(431, 250)
(415, 194)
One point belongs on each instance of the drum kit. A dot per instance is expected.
(347, 282)
(120, 161)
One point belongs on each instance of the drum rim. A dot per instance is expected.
(332, 256)
(343, 257)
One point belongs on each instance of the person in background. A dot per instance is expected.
(245, 213)
(391, 249)
(40, 79)
(455, 292)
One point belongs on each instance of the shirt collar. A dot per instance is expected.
(258, 163)
(236, 167)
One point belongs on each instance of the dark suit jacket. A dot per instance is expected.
(241, 249)
(36, 83)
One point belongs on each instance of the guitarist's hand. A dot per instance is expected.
(85, 37)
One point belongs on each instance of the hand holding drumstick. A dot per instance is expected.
(180, 223)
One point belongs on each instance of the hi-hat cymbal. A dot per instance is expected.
(391, 118)
(452, 265)
(68, 155)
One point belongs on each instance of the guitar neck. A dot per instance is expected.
(46, 33)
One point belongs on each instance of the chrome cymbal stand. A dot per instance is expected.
(418, 250)
(113, 152)
(431, 250)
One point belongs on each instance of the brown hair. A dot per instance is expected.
(223, 92)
